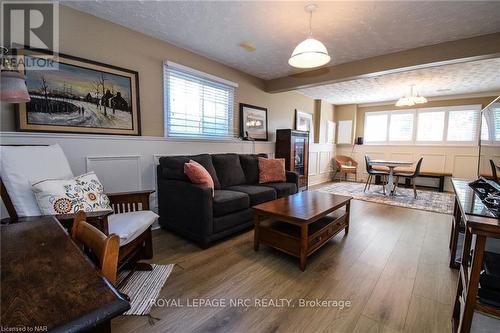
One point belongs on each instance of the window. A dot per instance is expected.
(197, 105)
(462, 126)
(393, 126)
(430, 126)
(485, 129)
(376, 127)
(490, 124)
(401, 127)
(443, 125)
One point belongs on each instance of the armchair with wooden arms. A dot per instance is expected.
(346, 165)
(130, 217)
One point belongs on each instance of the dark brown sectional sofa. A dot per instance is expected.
(191, 211)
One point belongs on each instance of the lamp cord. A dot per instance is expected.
(310, 23)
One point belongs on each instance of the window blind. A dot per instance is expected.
(401, 126)
(197, 105)
(376, 127)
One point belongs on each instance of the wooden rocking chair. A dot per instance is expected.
(130, 218)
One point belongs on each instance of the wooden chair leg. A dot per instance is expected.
(415, 187)
(395, 185)
(367, 181)
(370, 182)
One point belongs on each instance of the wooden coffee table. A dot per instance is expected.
(302, 223)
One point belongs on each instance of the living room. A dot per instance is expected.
(143, 88)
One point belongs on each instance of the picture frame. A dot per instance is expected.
(253, 122)
(304, 122)
(79, 96)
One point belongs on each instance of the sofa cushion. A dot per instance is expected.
(250, 166)
(197, 174)
(226, 202)
(233, 220)
(228, 168)
(258, 194)
(173, 167)
(68, 196)
(271, 170)
(283, 189)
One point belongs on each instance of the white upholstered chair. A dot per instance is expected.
(21, 166)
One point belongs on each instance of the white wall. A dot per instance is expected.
(125, 163)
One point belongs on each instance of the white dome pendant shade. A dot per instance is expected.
(311, 52)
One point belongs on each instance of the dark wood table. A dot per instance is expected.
(49, 284)
(302, 223)
(471, 215)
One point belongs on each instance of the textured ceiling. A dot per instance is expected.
(464, 78)
(350, 30)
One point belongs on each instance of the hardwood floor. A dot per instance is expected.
(392, 268)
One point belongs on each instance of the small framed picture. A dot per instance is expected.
(253, 122)
(304, 122)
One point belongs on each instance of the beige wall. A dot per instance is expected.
(346, 112)
(89, 37)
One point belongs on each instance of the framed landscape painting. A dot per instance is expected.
(79, 96)
(253, 122)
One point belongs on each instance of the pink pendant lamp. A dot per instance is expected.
(13, 87)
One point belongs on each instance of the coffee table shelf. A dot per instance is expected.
(302, 223)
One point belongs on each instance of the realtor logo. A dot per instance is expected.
(30, 25)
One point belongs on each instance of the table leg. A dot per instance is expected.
(256, 232)
(303, 247)
(347, 216)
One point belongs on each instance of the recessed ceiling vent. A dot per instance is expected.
(247, 47)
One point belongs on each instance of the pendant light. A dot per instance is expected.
(411, 99)
(13, 87)
(311, 52)
(12, 83)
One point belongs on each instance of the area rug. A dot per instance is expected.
(143, 287)
(439, 202)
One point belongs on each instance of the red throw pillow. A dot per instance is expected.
(197, 174)
(271, 170)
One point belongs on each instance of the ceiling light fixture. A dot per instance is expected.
(12, 83)
(412, 98)
(311, 52)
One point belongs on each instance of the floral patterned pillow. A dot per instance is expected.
(67, 196)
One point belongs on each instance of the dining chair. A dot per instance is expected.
(103, 249)
(408, 174)
(494, 169)
(346, 165)
(375, 170)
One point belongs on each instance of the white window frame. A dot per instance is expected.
(491, 131)
(415, 112)
(205, 76)
(376, 113)
(413, 129)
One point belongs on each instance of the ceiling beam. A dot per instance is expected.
(463, 50)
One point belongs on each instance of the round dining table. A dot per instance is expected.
(391, 165)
